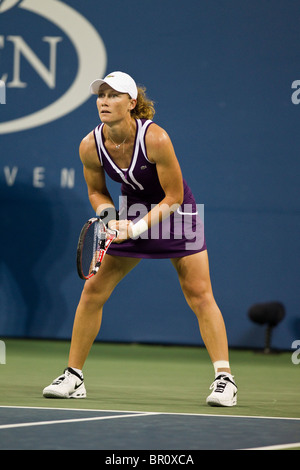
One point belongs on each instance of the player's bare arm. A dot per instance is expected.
(98, 193)
(161, 152)
(94, 174)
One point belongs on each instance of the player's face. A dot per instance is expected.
(113, 105)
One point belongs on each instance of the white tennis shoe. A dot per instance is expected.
(68, 385)
(224, 391)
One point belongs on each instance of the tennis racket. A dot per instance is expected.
(94, 241)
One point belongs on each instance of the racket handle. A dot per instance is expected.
(107, 214)
(113, 231)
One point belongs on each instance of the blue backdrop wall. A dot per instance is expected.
(225, 78)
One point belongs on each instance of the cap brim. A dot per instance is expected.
(95, 85)
(115, 85)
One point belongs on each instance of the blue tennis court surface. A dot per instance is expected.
(27, 428)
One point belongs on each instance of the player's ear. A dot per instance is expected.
(132, 104)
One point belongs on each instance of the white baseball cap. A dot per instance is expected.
(119, 81)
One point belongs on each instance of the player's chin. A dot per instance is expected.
(105, 117)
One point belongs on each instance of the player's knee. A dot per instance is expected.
(202, 304)
(199, 299)
(92, 295)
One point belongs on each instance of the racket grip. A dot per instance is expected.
(107, 214)
(113, 231)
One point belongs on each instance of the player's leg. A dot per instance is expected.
(95, 293)
(87, 323)
(194, 278)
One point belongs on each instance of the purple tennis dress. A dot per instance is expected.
(179, 235)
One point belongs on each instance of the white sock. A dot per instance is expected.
(221, 365)
(78, 371)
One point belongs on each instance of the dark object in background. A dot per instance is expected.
(270, 314)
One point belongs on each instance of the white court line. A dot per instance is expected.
(67, 421)
(154, 412)
(277, 447)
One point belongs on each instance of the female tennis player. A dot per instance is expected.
(157, 219)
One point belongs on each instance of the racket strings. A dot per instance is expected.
(94, 242)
